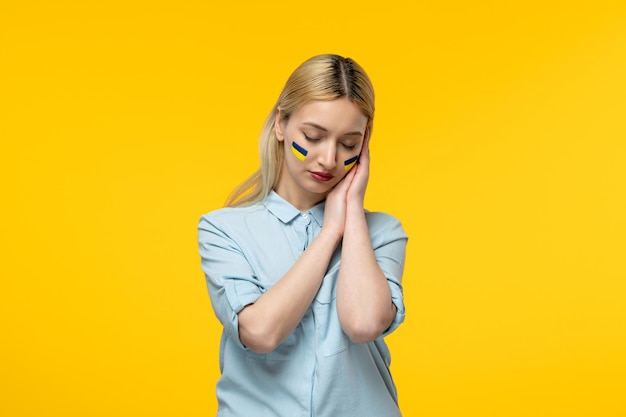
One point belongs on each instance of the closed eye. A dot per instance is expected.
(310, 139)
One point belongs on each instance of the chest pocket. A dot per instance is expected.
(328, 329)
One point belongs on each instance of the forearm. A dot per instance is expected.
(363, 297)
(266, 323)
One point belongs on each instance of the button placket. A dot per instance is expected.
(302, 230)
(307, 230)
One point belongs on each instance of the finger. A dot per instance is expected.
(350, 175)
(344, 184)
(365, 149)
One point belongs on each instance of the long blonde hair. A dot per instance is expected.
(320, 78)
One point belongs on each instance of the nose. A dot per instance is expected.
(328, 156)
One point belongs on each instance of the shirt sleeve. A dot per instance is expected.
(389, 243)
(230, 279)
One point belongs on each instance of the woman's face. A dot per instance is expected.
(321, 141)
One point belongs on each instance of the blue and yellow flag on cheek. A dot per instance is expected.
(298, 151)
(349, 163)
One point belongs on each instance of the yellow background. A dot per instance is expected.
(500, 142)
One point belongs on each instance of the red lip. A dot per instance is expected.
(322, 176)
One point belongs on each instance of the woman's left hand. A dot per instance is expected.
(356, 192)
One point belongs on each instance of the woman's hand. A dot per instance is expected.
(356, 192)
(350, 190)
(336, 205)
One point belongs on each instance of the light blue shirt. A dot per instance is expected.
(317, 371)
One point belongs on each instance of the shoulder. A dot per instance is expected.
(227, 213)
(230, 217)
(377, 219)
(233, 213)
(384, 226)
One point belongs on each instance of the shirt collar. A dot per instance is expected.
(285, 212)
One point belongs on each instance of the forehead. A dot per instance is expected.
(334, 115)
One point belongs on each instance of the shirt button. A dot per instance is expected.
(305, 216)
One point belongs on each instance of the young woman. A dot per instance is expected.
(305, 281)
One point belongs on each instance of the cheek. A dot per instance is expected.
(298, 151)
(350, 162)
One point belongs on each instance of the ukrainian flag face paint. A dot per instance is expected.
(349, 163)
(299, 151)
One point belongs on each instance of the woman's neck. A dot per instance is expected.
(303, 201)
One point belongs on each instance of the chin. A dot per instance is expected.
(318, 190)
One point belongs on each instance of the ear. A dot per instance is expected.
(278, 126)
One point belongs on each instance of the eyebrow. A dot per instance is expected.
(323, 129)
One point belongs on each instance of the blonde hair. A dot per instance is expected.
(320, 78)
